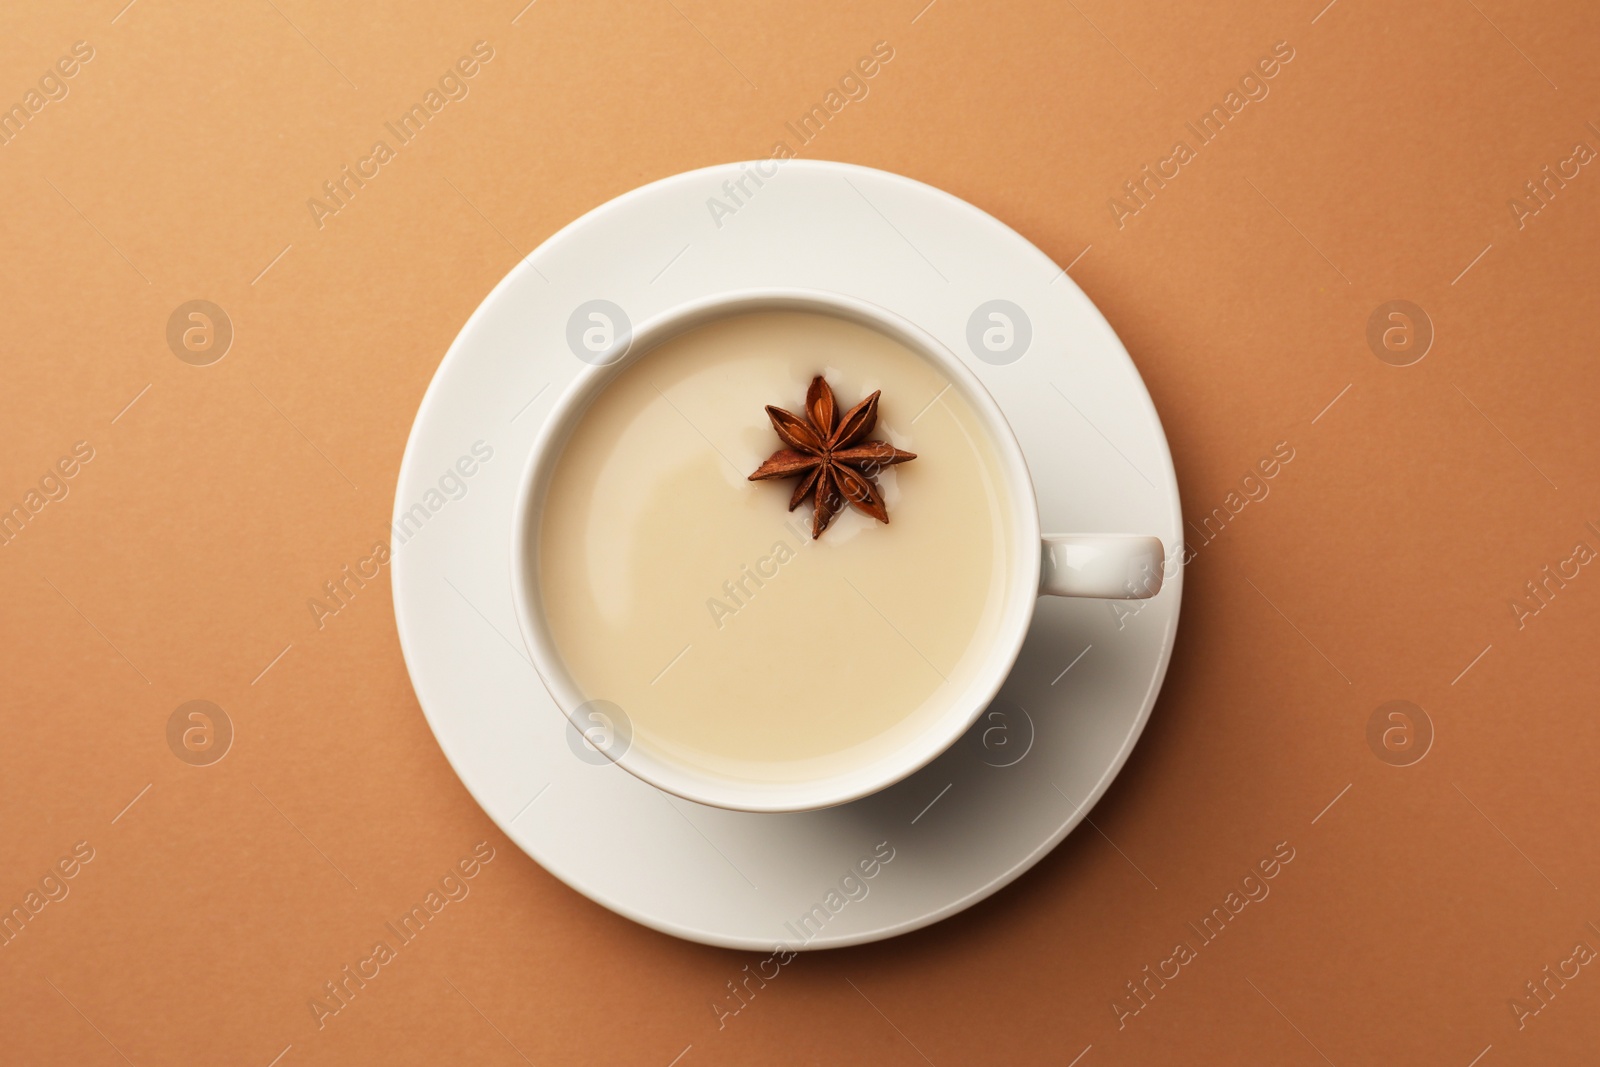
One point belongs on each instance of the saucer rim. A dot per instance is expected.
(433, 400)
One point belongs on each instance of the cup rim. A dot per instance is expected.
(860, 780)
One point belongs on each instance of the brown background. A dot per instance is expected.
(1383, 562)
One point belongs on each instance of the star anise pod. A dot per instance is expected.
(831, 456)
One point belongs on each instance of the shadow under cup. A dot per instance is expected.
(615, 714)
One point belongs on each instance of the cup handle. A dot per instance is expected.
(1110, 566)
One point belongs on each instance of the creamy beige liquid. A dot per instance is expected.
(694, 600)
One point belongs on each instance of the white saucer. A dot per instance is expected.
(962, 827)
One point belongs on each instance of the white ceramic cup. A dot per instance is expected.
(1111, 566)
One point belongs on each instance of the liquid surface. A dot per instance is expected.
(694, 600)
